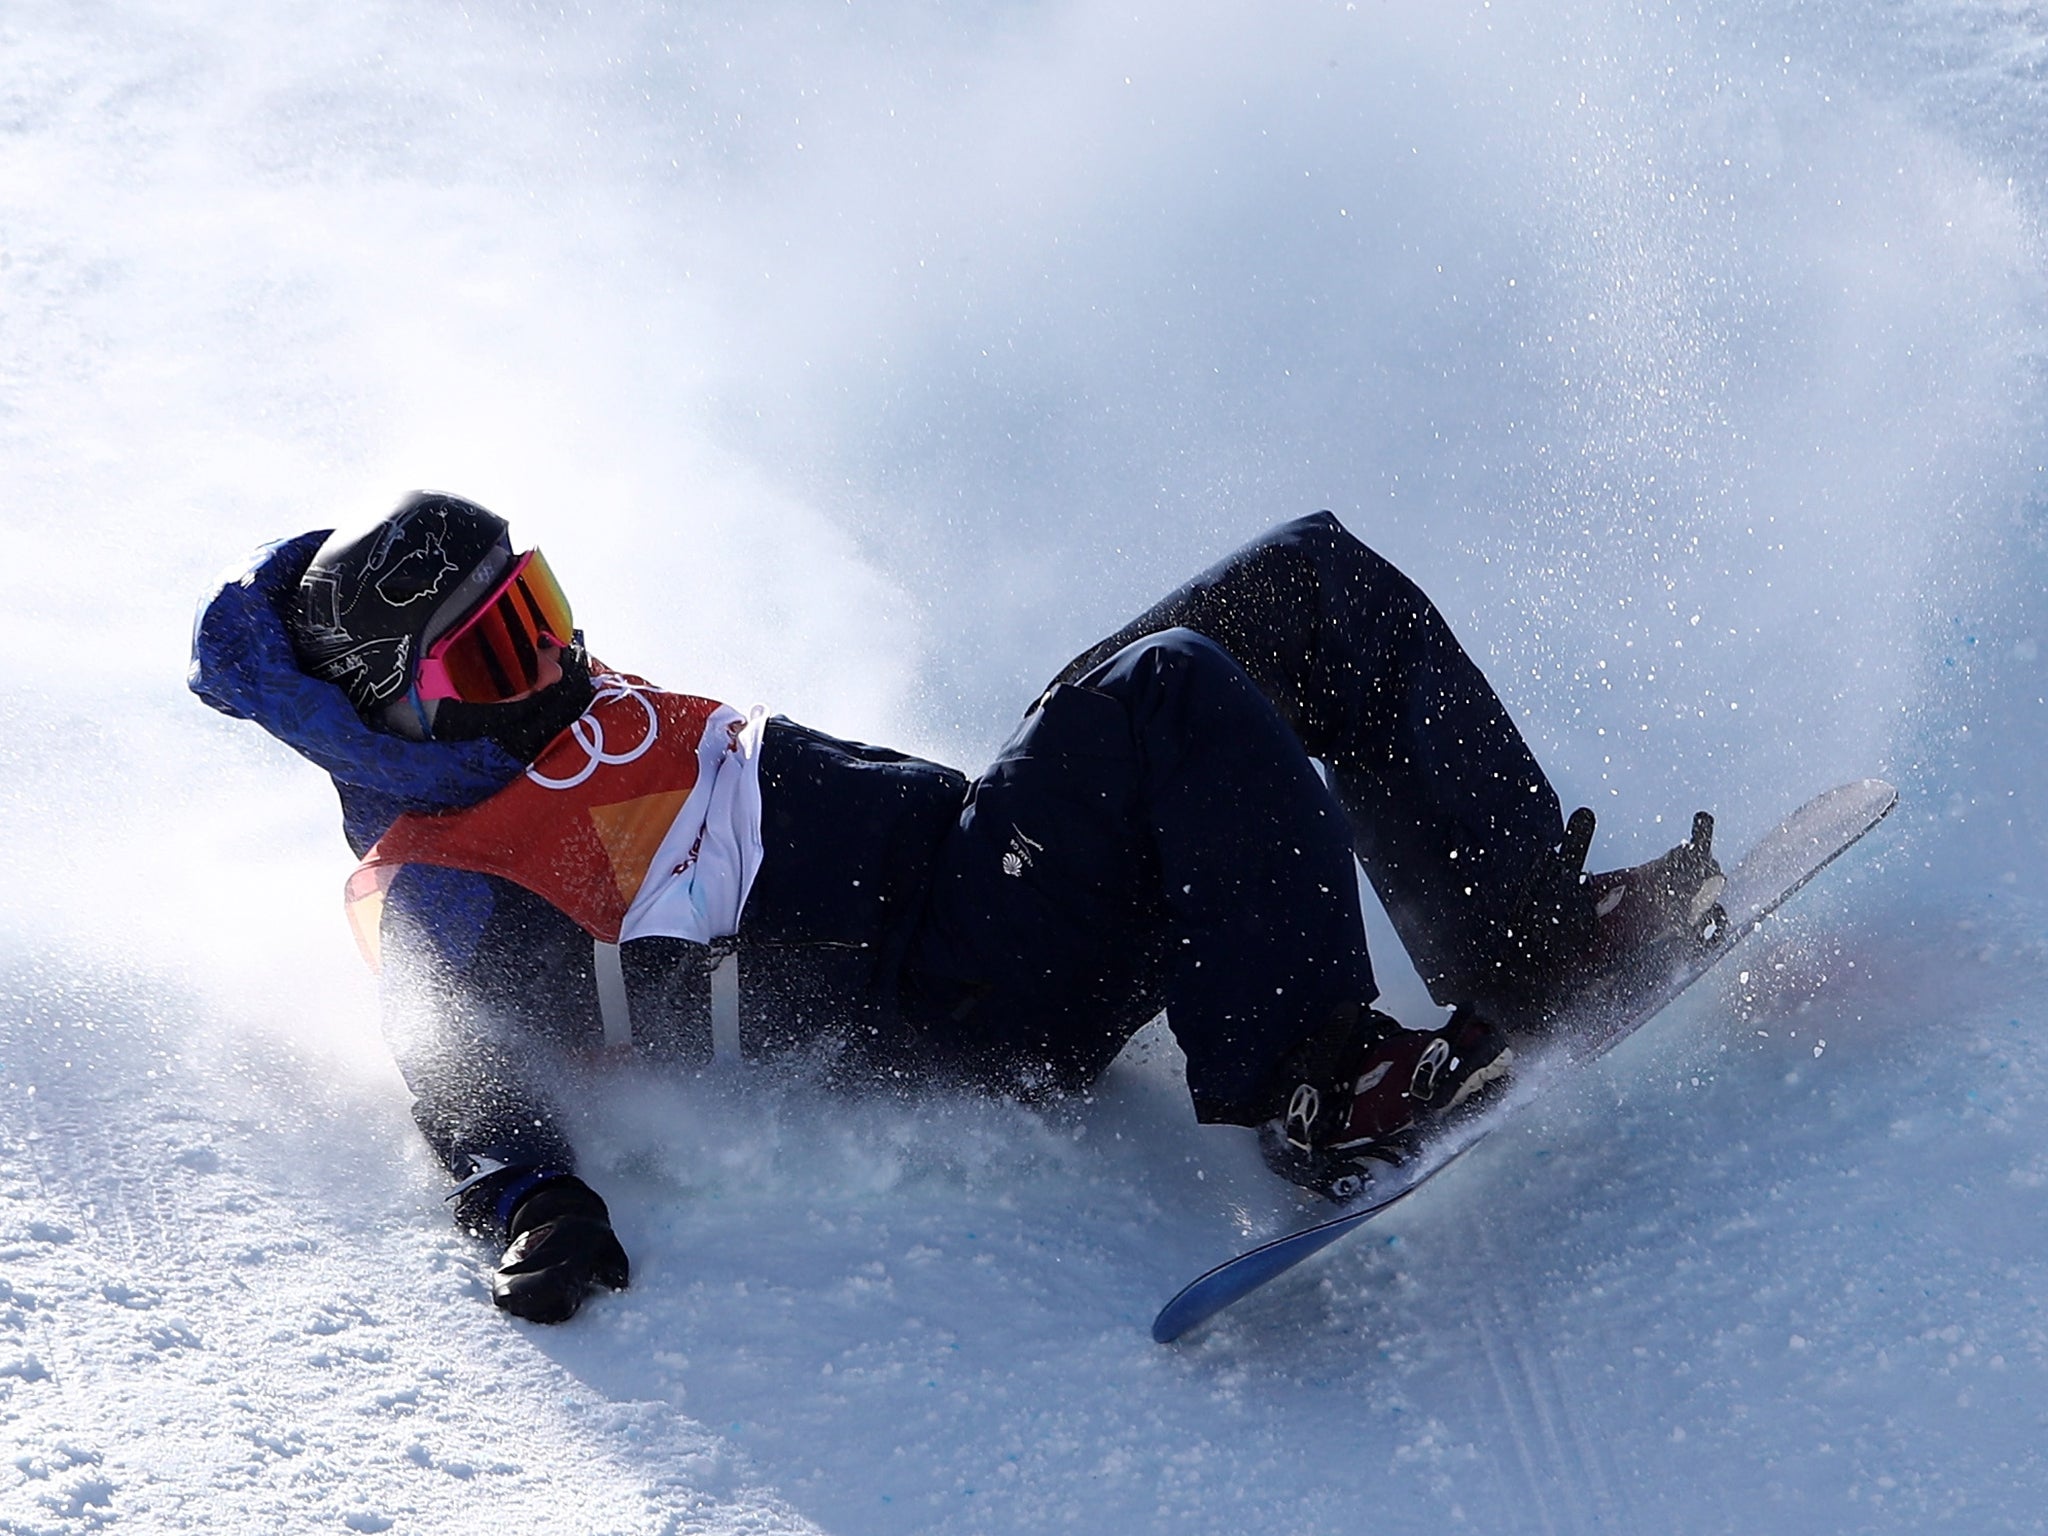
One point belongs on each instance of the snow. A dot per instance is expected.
(870, 361)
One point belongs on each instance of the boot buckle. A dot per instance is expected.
(1303, 1109)
(1435, 1057)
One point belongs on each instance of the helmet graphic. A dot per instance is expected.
(373, 600)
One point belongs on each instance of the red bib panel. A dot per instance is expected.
(579, 827)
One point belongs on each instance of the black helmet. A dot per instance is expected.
(374, 599)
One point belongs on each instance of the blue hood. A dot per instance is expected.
(242, 664)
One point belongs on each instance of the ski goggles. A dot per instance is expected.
(494, 655)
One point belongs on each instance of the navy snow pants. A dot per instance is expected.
(1155, 834)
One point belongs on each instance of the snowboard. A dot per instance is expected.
(1801, 845)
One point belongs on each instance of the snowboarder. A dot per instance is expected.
(556, 855)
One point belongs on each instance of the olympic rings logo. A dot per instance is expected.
(589, 733)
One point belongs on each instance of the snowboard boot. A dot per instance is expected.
(1578, 936)
(1356, 1100)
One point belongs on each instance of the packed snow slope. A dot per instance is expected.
(868, 360)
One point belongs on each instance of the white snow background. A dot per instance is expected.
(868, 360)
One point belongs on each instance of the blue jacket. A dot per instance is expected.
(242, 664)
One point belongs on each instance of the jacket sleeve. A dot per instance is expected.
(483, 985)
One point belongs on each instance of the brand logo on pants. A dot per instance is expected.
(1018, 858)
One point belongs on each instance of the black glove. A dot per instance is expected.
(562, 1244)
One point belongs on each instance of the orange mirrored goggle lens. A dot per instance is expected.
(494, 654)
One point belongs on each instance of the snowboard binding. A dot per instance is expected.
(1577, 937)
(1364, 1096)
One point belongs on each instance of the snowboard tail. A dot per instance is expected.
(1781, 863)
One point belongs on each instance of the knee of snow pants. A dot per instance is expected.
(1153, 834)
(1450, 813)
